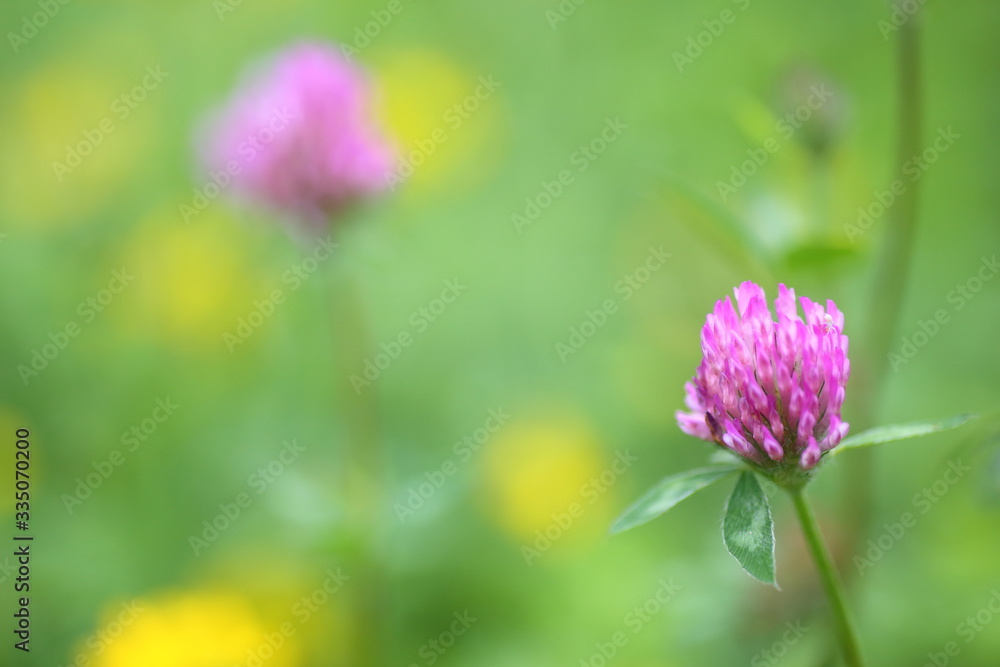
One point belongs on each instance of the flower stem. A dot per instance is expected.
(363, 480)
(831, 582)
(892, 271)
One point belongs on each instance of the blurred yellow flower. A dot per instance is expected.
(193, 629)
(75, 137)
(446, 121)
(547, 479)
(192, 282)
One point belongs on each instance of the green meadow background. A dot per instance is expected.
(550, 261)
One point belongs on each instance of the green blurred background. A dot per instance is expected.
(683, 129)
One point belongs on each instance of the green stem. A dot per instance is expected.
(892, 271)
(363, 480)
(831, 582)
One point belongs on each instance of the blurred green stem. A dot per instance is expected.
(831, 582)
(891, 275)
(363, 477)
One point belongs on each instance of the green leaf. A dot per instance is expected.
(703, 215)
(819, 253)
(748, 531)
(668, 493)
(880, 434)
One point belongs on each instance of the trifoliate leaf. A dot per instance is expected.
(880, 434)
(748, 531)
(668, 493)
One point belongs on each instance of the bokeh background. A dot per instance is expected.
(116, 580)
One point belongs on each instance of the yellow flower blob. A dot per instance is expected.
(74, 138)
(192, 282)
(195, 629)
(446, 120)
(545, 480)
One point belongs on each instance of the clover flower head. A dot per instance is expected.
(770, 390)
(299, 138)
